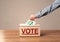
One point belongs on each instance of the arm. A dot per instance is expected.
(48, 9)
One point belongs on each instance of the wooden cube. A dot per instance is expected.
(26, 30)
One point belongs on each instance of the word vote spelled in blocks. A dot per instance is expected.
(26, 30)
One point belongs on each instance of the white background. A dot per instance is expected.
(14, 12)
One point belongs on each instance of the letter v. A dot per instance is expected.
(23, 31)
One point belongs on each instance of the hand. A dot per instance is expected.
(32, 17)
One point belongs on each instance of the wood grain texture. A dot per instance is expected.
(46, 36)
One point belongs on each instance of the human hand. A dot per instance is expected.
(32, 17)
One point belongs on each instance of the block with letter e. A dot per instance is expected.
(29, 30)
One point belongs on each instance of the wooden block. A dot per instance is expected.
(26, 30)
